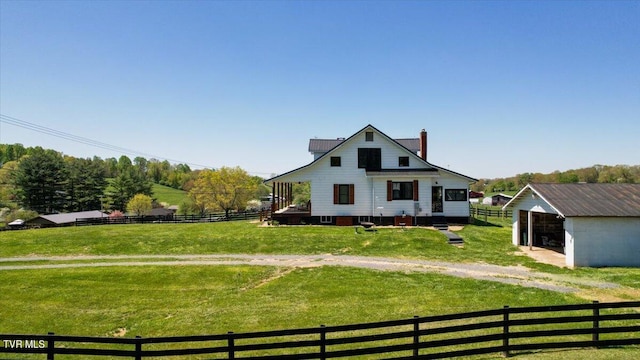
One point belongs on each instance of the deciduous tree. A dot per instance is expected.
(224, 189)
(140, 204)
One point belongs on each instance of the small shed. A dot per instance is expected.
(161, 214)
(500, 199)
(591, 224)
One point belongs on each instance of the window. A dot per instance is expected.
(370, 158)
(455, 194)
(402, 191)
(326, 219)
(343, 194)
(336, 161)
(368, 136)
(403, 161)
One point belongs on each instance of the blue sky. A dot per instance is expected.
(501, 87)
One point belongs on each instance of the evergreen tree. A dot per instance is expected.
(40, 180)
(85, 184)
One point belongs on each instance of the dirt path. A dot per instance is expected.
(514, 275)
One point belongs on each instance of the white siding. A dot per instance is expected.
(604, 241)
(452, 208)
(371, 192)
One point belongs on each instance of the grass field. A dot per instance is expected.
(482, 243)
(183, 300)
(168, 194)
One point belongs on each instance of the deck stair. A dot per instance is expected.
(440, 223)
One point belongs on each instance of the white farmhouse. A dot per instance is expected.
(370, 177)
(592, 224)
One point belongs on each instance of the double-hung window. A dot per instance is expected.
(343, 194)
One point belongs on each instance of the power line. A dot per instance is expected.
(83, 140)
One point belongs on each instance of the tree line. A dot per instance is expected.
(35, 181)
(592, 174)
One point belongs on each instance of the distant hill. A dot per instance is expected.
(592, 174)
(169, 195)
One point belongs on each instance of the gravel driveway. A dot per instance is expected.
(514, 275)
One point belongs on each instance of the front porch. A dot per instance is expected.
(282, 208)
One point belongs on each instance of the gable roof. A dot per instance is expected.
(67, 218)
(371, 127)
(588, 200)
(324, 145)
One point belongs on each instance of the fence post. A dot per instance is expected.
(51, 345)
(505, 331)
(231, 345)
(323, 342)
(138, 347)
(596, 323)
(416, 335)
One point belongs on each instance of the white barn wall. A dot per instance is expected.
(605, 241)
(569, 243)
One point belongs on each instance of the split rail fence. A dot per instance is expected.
(506, 331)
(477, 211)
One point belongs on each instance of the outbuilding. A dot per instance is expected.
(64, 219)
(591, 224)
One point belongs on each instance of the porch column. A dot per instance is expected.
(530, 229)
(279, 195)
(273, 196)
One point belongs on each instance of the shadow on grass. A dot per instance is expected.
(481, 222)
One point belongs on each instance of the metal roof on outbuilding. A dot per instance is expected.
(66, 218)
(588, 200)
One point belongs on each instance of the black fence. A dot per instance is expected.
(175, 218)
(506, 331)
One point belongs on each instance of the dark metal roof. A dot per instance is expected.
(66, 218)
(324, 145)
(591, 199)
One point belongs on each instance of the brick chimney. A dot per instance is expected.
(423, 144)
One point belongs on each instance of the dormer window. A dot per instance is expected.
(368, 136)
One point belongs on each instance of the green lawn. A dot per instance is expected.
(191, 300)
(168, 194)
(481, 243)
(187, 300)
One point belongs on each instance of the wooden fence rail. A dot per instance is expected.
(506, 330)
(477, 211)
